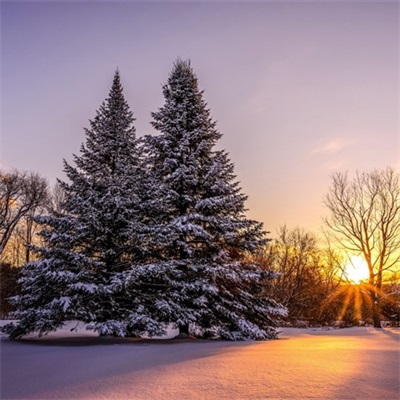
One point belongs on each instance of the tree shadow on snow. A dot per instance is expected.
(111, 340)
(70, 364)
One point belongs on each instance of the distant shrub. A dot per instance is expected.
(8, 287)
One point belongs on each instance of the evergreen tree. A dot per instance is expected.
(97, 236)
(197, 274)
(150, 233)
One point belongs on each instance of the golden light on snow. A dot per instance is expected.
(356, 271)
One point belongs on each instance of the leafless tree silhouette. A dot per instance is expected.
(21, 195)
(365, 220)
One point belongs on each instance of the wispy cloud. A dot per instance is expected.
(331, 147)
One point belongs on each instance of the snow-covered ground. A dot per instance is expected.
(356, 363)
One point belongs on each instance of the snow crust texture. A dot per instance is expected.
(356, 363)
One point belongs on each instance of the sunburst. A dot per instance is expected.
(356, 270)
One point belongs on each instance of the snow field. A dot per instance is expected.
(355, 363)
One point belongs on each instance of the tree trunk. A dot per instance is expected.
(376, 314)
(28, 239)
(184, 329)
(376, 317)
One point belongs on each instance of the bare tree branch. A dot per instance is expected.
(21, 194)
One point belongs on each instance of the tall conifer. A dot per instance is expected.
(97, 235)
(204, 231)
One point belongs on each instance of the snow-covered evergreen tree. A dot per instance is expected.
(198, 274)
(98, 235)
(144, 241)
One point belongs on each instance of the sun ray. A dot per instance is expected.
(357, 304)
(345, 305)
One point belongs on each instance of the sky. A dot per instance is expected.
(299, 90)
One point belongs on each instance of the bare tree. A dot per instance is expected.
(57, 198)
(298, 256)
(365, 220)
(21, 195)
(305, 276)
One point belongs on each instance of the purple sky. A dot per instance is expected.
(299, 90)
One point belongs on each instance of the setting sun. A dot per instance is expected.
(356, 270)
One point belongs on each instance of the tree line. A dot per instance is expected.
(314, 286)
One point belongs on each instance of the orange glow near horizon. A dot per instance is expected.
(356, 271)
